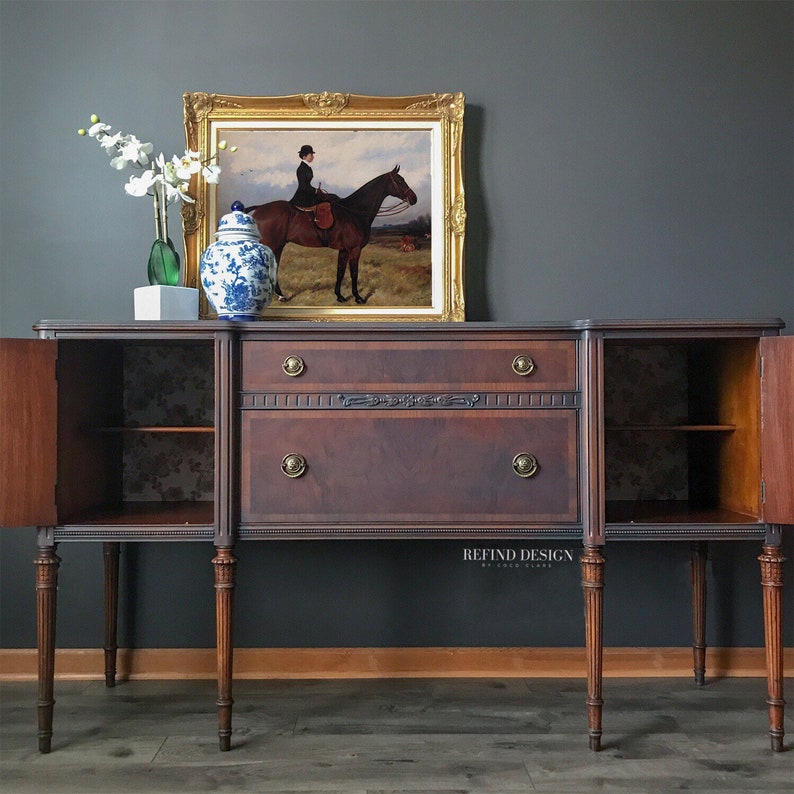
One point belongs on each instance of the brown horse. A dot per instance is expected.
(279, 223)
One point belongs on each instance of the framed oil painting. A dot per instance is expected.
(360, 198)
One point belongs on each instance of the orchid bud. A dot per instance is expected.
(233, 149)
(222, 145)
(81, 131)
(94, 118)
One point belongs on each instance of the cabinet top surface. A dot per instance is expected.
(209, 328)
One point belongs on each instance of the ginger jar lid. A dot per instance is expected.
(237, 223)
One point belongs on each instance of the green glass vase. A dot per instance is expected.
(163, 266)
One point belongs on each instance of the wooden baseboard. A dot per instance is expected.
(264, 663)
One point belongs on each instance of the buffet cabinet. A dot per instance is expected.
(227, 432)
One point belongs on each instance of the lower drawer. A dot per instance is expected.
(409, 468)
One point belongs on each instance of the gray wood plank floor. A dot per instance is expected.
(396, 736)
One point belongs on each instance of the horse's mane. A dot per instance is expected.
(355, 194)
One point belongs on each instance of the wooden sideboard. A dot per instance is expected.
(599, 431)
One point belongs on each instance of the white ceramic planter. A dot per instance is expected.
(166, 303)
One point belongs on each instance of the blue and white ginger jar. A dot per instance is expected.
(238, 272)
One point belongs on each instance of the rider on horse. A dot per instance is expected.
(307, 195)
(307, 198)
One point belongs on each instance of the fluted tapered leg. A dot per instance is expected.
(46, 562)
(225, 564)
(110, 553)
(593, 586)
(772, 583)
(699, 556)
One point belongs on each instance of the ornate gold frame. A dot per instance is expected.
(211, 117)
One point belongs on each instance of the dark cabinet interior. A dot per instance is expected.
(136, 432)
(682, 431)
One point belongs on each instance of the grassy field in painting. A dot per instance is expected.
(387, 276)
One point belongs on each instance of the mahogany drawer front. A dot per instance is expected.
(407, 467)
(424, 365)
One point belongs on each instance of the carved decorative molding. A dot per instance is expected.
(200, 104)
(192, 215)
(451, 107)
(456, 216)
(771, 561)
(408, 400)
(197, 107)
(458, 308)
(327, 103)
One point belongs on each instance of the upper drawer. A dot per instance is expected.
(513, 365)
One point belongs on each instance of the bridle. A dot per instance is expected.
(395, 209)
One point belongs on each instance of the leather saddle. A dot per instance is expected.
(323, 215)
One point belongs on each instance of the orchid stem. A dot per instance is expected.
(158, 223)
(164, 214)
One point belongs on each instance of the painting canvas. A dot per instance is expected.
(361, 199)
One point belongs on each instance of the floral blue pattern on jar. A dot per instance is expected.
(238, 272)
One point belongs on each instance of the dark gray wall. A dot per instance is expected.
(622, 160)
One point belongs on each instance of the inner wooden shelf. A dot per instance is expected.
(147, 513)
(675, 428)
(157, 429)
(671, 512)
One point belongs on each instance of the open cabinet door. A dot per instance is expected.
(28, 432)
(777, 428)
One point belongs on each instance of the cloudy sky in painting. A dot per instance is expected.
(263, 167)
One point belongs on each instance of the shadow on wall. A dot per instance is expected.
(477, 225)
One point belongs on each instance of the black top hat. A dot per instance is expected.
(306, 149)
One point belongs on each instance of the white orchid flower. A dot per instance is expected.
(184, 194)
(133, 151)
(170, 174)
(177, 192)
(191, 155)
(186, 166)
(119, 162)
(211, 173)
(109, 142)
(167, 169)
(98, 129)
(140, 185)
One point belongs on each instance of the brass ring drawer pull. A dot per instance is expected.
(525, 464)
(523, 365)
(293, 366)
(294, 465)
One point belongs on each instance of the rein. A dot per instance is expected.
(395, 209)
